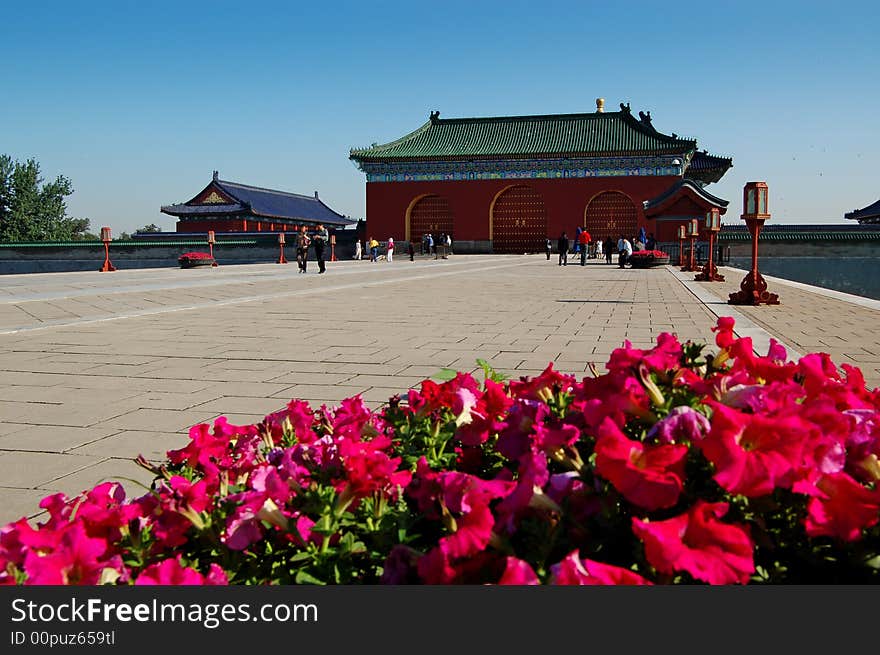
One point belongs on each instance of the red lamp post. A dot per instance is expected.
(681, 237)
(105, 237)
(753, 288)
(713, 227)
(693, 231)
(211, 241)
(281, 259)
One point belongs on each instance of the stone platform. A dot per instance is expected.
(96, 368)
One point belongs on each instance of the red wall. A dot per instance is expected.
(565, 201)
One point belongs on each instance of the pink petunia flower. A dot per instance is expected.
(698, 543)
(576, 571)
(172, 572)
(840, 507)
(648, 476)
(517, 572)
(753, 455)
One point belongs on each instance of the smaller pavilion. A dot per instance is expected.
(867, 215)
(225, 206)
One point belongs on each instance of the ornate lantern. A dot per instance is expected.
(713, 226)
(281, 241)
(106, 237)
(693, 231)
(681, 238)
(211, 241)
(753, 288)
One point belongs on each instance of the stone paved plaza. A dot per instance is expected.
(96, 368)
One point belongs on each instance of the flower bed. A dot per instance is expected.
(648, 258)
(675, 466)
(193, 259)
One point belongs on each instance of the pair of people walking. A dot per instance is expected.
(318, 241)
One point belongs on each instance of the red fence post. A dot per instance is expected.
(106, 237)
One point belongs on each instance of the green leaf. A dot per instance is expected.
(445, 374)
(304, 577)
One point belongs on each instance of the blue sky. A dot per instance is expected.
(137, 103)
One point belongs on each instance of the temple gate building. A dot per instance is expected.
(506, 184)
(869, 215)
(225, 206)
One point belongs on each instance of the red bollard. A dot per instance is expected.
(211, 241)
(281, 259)
(105, 237)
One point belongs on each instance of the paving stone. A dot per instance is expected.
(20, 503)
(51, 439)
(130, 443)
(156, 420)
(135, 480)
(28, 470)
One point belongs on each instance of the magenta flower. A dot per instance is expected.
(754, 454)
(517, 572)
(75, 559)
(698, 543)
(576, 571)
(840, 507)
(665, 356)
(648, 476)
(173, 572)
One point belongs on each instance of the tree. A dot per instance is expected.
(33, 211)
(152, 228)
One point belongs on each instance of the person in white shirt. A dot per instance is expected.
(625, 250)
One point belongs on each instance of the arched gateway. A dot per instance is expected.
(429, 214)
(518, 221)
(611, 214)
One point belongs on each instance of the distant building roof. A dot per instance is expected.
(869, 214)
(654, 205)
(707, 168)
(781, 232)
(589, 134)
(225, 197)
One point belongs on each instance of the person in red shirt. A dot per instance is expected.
(584, 240)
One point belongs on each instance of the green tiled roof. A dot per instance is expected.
(820, 233)
(598, 133)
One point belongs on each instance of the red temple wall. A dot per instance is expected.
(565, 201)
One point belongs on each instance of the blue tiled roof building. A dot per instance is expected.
(225, 206)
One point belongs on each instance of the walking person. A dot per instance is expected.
(302, 249)
(625, 251)
(357, 250)
(374, 250)
(562, 245)
(431, 248)
(577, 240)
(584, 238)
(389, 254)
(609, 249)
(549, 248)
(320, 241)
(411, 250)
